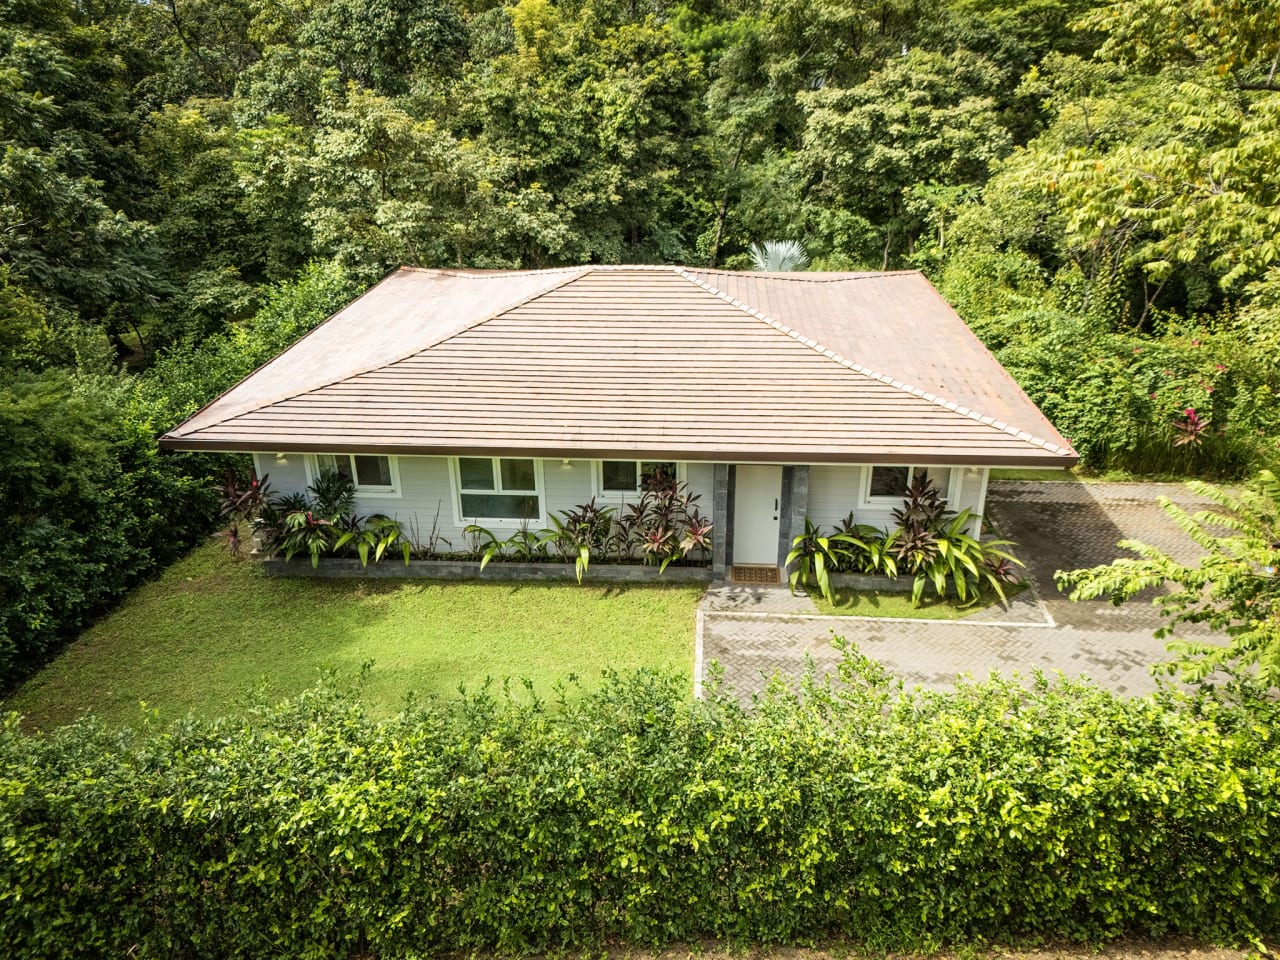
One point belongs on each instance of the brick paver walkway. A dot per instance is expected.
(754, 632)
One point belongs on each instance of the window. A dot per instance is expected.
(891, 483)
(371, 475)
(498, 488)
(633, 476)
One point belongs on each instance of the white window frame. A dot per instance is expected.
(455, 473)
(868, 499)
(597, 482)
(364, 491)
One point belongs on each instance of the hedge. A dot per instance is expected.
(91, 506)
(902, 820)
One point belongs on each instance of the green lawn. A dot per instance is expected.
(887, 603)
(212, 629)
(1014, 473)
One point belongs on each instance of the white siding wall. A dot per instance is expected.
(701, 479)
(428, 496)
(427, 487)
(971, 483)
(287, 477)
(833, 492)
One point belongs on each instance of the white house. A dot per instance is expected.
(501, 397)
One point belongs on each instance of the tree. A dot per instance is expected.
(926, 118)
(1235, 38)
(1234, 588)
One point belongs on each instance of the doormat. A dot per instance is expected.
(754, 573)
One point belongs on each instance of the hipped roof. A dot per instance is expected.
(635, 362)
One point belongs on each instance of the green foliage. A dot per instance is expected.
(91, 508)
(183, 379)
(994, 813)
(815, 556)
(583, 529)
(1234, 588)
(930, 544)
(377, 535)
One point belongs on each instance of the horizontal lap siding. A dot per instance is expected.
(833, 492)
(701, 480)
(282, 478)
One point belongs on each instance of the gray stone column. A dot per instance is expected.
(794, 507)
(722, 520)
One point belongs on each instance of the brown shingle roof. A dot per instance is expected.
(639, 361)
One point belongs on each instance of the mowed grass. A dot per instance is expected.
(887, 603)
(1015, 473)
(213, 630)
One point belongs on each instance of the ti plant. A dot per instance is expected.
(583, 529)
(955, 557)
(242, 503)
(484, 543)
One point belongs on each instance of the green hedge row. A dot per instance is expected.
(902, 821)
(90, 505)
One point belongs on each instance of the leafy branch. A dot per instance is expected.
(1233, 589)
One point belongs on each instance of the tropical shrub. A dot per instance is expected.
(323, 520)
(243, 501)
(579, 531)
(908, 821)
(1234, 587)
(376, 535)
(814, 556)
(664, 525)
(930, 544)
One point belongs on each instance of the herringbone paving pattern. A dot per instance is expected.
(754, 632)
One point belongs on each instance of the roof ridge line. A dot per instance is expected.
(802, 276)
(875, 375)
(576, 274)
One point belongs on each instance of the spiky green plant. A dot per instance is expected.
(779, 256)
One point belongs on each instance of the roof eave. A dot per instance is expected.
(1032, 457)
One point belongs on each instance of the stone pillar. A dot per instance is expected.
(794, 508)
(722, 520)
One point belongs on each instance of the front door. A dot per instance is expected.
(756, 494)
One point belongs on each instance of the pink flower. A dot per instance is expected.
(1219, 367)
(1189, 412)
(1195, 343)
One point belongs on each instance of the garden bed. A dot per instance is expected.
(896, 603)
(339, 568)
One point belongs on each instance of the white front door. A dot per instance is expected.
(756, 494)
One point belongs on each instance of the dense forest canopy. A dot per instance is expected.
(186, 185)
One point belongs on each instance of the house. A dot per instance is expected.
(502, 397)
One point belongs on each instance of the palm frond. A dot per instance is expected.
(779, 256)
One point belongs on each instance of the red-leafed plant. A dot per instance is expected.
(1190, 428)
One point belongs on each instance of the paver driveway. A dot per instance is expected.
(753, 632)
